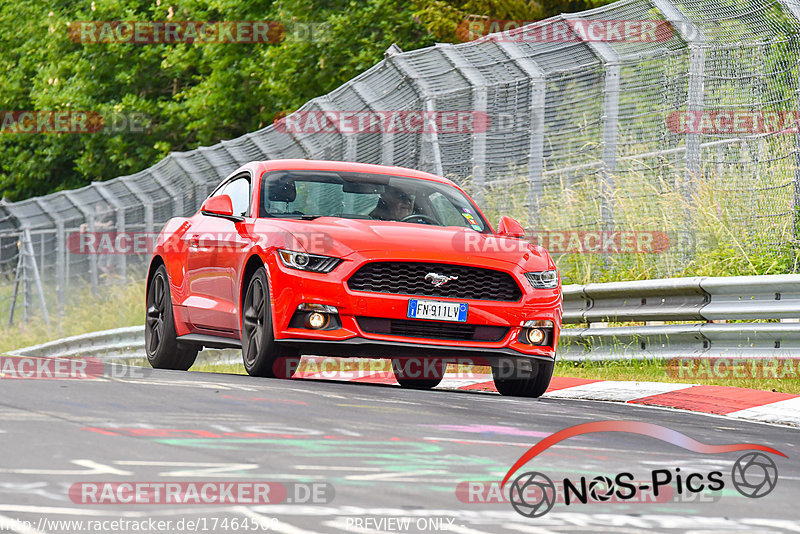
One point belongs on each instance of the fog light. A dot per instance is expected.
(535, 336)
(316, 320)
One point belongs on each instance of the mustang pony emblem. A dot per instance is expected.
(439, 280)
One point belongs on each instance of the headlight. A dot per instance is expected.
(304, 261)
(543, 279)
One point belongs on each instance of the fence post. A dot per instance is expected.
(60, 253)
(611, 68)
(200, 184)
(89, 215)
(395, 58)
(26, 267)
(693, 36)
(538, 84)
(172, 191)
(146, 201)
(794, 8)
(479, 106)
(326, 105)
(368, 96)
(120, 212)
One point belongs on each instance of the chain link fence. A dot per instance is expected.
(691, 132)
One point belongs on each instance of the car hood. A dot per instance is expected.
(339, 237)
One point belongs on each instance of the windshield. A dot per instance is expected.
(311, 194)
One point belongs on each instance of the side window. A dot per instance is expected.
(239, 191)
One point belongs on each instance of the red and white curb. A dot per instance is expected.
(739, 403)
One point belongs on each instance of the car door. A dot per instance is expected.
(215, 249)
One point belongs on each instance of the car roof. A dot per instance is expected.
(343, 166)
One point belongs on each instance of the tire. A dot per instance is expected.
(513, 382)
(261, 355)
(416, 373)
(164, 351)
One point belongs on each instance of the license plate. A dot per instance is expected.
(442, 311)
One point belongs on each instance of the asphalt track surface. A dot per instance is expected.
(393, 457)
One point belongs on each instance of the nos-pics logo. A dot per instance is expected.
(533, 494)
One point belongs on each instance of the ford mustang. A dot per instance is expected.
(296, 257)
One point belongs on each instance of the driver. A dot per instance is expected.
(393, 205)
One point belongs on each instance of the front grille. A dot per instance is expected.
(407, 278)
(431, 329)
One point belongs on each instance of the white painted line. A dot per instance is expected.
(785, 412)
(623, 391)
(92, 468)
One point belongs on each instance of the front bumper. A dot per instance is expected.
(291, 287)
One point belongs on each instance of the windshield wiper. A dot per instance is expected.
(295, 216)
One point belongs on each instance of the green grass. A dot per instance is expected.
(117, 304)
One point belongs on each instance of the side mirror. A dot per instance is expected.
(509, 227)
(220, 206)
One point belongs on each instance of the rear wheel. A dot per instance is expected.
(512, 380)
(416, 373)
(164, 351)
(261, 354)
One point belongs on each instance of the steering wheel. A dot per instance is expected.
(427, 219)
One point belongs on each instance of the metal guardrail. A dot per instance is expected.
(685, 299)
(119, 343)
(698, 299)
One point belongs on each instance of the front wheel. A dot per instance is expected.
(512, 380)
(164, 351)
(261, 354)
(415, 373)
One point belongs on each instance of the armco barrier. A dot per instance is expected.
(695, 301)
(685, 299)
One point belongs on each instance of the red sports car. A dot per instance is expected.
(296, 257)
